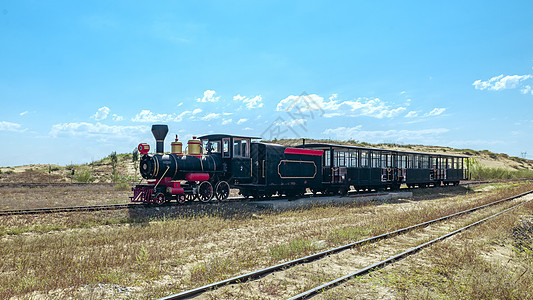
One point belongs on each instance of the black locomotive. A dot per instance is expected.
(214, 164)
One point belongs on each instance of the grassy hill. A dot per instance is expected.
(485, 165)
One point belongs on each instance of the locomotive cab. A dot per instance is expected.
(235, 154)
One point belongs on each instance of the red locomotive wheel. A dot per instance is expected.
(181, 198)
(205, 191)
(191, 197)
(160, 198)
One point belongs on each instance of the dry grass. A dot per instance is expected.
(55, 196)
(486, 262)
(153, 258)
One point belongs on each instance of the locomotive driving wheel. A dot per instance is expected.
(222, 190)
(205, 191)
(182, 198)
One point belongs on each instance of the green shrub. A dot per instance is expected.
(479, 172)
(84, 176)
(122, 186)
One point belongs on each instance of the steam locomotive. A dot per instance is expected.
(215, 164)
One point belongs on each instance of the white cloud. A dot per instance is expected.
(23, 113)
(304, 103)
(101, 114)
(411, 114)
(96, 129)
(293, 122)
(435, 112)
(331, 115)
(357, 133)
(370, 107)
(255, 102)
(225, 122)
(373, 108)
(241, 121)
(501, 82)
(148, 116)
(209, 96)
(8, 126)
(527, 90)
(210, 116)
(117, 117)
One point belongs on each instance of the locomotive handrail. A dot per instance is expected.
(162, 176)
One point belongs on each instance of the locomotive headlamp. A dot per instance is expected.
(143, 148)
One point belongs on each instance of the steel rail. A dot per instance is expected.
(312, 257)
(392, 259)
(46, 210)
(352, 194)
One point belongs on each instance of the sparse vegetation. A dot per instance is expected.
(83, 175)
(480, 172)
(191, 251)
(123, 186)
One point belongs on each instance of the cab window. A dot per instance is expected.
(241, 147)
(211, 146)
(225, 147)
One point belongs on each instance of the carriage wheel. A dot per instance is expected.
(160, 198)
(205, 191)
(181, 198)
(222, 191)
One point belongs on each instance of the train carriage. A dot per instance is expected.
(363, 168)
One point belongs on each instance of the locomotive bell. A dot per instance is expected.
(160, 132)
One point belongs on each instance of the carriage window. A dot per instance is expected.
(375, 160)
(353, 159)
(225, 147)
(241, 147)
(384, 159)
(410, 161)
(341, 156)
(425, 162)
(433, 164)
(327, 158)
(402, 161)
(348, 159)
(364, 159)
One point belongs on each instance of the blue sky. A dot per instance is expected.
(79, 80)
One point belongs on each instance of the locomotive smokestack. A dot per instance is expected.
(160, 132)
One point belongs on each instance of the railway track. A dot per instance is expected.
(38, 185)
(310, 258)
(48, 210)
(137, 205)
